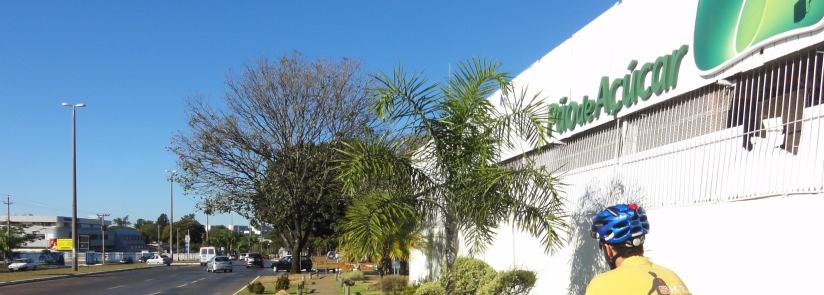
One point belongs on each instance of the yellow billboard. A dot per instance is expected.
(64, 244)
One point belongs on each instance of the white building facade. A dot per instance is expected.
(709, 114)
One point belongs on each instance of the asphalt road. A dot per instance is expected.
(157, 280)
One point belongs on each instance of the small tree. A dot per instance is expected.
(14, 237)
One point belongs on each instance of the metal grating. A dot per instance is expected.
(760, 137)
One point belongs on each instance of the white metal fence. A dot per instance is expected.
(758, 138)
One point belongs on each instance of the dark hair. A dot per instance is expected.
(624, 251)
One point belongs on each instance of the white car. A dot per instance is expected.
(22, 264)
(159, 259)
(221, 263)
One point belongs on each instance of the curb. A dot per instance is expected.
(57, 277)
(244, 287)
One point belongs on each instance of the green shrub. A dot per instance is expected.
(255, 288)
(354, 275)
(393, 284)
(431, 288)
(513, 282)
(282, 283)
(469, 275)
(409, 290)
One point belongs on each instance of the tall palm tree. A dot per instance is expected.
(456, 167)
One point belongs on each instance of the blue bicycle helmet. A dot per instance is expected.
(622, 223)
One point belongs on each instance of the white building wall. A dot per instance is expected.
(728, 220)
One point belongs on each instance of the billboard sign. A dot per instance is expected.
(729, 30)
(64, 244)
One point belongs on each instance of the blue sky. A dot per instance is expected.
(135, 62)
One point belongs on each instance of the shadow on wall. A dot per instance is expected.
(587, 259)
(434, 250)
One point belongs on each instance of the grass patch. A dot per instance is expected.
(43, 273)
(362, 287)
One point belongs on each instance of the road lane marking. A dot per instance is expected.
(147, 280)
(244, 287)
(115, 287)
(155, 293)
(198, 280)
(184, 285)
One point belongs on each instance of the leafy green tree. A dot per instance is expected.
(456, 169)
(196, 230)
(148, 229)
(162, 220)
(139, 222)
(14, 237)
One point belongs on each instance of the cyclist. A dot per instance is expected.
(621, 231)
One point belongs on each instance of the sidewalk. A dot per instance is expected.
(326, 285)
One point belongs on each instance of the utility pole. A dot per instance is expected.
(8, 216)
(207, 230)
(171, 211)
(177, 243)
(159, 245)
(75, 242)
(102, 217)
(8, 223)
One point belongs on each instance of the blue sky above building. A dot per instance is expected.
(136, 63)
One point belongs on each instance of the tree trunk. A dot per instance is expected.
(451, 250)
(297, 247)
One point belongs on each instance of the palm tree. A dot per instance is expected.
(380, 227)
(456, 167)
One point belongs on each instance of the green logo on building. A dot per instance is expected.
(726, 30)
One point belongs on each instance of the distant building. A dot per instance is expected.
(48, 229)
(241, 229)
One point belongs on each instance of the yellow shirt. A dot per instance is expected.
(637, 276)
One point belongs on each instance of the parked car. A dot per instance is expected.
(232, 256)
(206, 254)
(160, 259)
(243, 256)
(126, 260)
(254, 259)
(221, 263)
(22, 264)
(144, 258)
(285, 263)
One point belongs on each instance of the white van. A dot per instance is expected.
(206, 254)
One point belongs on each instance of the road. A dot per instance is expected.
(157, 280)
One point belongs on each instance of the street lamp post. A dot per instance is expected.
(171, 211)
(102, 217)
(75, 243)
